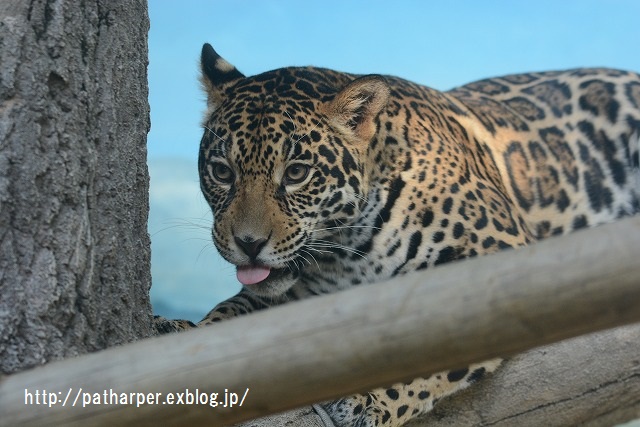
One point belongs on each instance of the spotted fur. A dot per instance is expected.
(332, 180)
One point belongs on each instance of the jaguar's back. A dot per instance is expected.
(567, 143)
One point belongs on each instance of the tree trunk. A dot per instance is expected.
(74, 248)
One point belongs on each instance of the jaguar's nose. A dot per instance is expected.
(250, 246)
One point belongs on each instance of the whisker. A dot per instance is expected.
(329, 244)
(320, 251)
(295, 264)
(202, 251)
(312, 257)
(344, 227)
(340, 230)
(312, 129)
(189, 224)
(295, 129)
(318, 243)
(215, 134)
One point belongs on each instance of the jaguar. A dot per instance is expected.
(321, 180)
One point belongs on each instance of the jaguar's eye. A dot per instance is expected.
(295, 173)
(221, 172)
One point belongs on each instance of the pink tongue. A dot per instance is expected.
(252, 275)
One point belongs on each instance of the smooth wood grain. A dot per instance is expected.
(592, 380)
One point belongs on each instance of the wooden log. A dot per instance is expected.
(358, 339)
(592, 380)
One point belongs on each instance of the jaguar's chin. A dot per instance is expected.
(274, 285)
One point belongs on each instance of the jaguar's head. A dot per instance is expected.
(283, 164)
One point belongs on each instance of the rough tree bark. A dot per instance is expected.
(74, 248)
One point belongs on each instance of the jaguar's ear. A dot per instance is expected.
(354, 109)
(217, 74)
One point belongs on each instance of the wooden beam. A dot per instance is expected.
(592, 380)
(358, 339)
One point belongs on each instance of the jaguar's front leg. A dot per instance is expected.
(243, 302)
(401, 402)
(163, 325)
